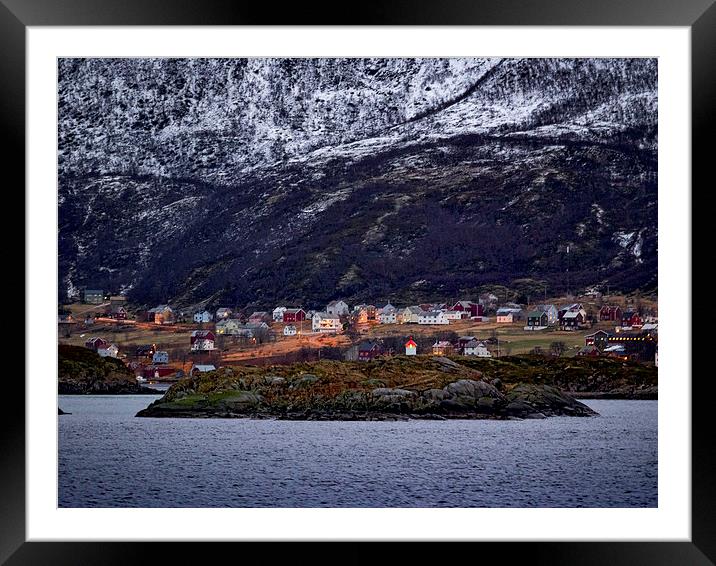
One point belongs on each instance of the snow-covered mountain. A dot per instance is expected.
(262, 180)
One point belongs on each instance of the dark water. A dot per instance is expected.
(108, 458)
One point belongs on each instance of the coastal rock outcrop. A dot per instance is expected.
(416, 388)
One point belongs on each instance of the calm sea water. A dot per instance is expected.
(109, 458)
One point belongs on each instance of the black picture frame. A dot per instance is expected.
(698, 15)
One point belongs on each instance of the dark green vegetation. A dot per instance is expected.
(433, 200)
(82, 371)
(400, 387)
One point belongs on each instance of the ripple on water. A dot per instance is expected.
(108, 458)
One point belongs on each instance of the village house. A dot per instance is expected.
(638, 345)
(202, 317)
(117, 301)
(574, 307)
(411, 348)
(289, 330)
(363, 314)
(573, 320)
(326, 323)
(160, 357)
(118, 313)
(599, 339)
(95, 343)
(229, 326)
(451, 314)
(610, 312)
(369, 350)
(476, 348)
(201, 368)
(388, 315)
(442, 348)
(589, 350)
(108, 351)
(432, 317)
(410, 315)
(631, 319)
(145, 351)
(339, 308)
(552, 313)
(260, 316)
(462, 341)
(470, 307)
(223, 313)
(278, 314)
(202, 341)
(509, 314)
(162, 314)
(155, 372)
(537, 320)
(294, 315)
(93, 296)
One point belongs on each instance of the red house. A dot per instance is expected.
(475, 309)
(294, 315)
(609, 312)
(151, 372)
(369, 350)
(630, 319)
(96, 343)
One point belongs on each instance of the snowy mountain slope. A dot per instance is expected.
(265, 180)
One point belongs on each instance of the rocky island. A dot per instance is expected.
(400, 387)
(84, 372)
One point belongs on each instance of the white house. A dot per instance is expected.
(388, 317)
(278, 314)
(229, 326)
(202, 341)
(552, 313)
(410, 315)
(204, 316)
(324, 322)
(108, 351)
(432, 317)
(223, 313)
(161, 357)
(289, 330)
(475, 348)
(454, 315)
(339, 308)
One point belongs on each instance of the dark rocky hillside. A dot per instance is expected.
(254, 182)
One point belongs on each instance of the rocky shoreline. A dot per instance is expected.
(398, 388)
(83, 372)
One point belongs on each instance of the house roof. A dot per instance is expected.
(508, 310)
(201, 333)
(325, 315)
(536, 314)
(474, 344)
(442, 344)
(292, 310)
(411, 342)
(571, 314)
(367, 346)
(414, 309)
(431, 313)
(204, 367)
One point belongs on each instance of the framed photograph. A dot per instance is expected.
(394, 277)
